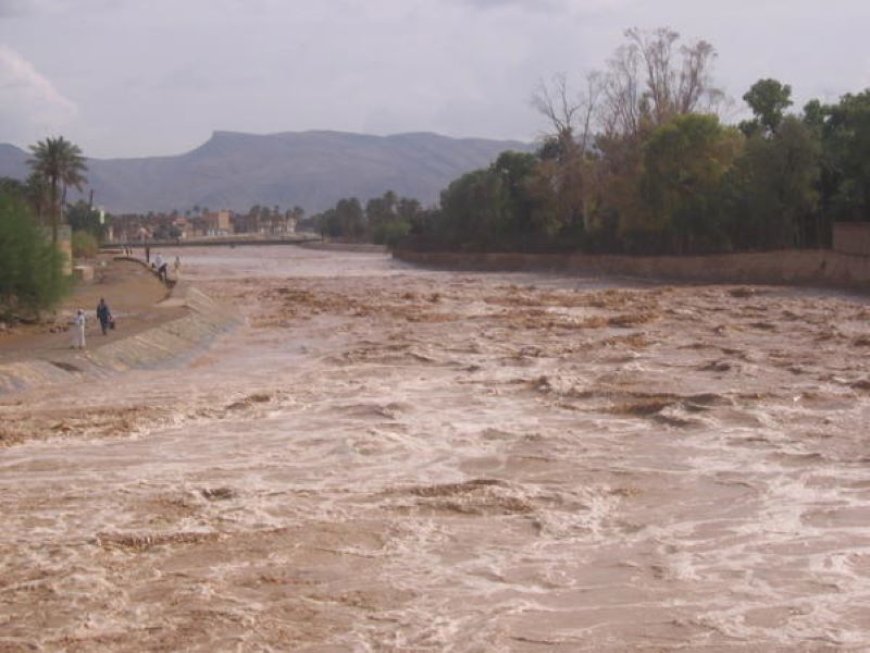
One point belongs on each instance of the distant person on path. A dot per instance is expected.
(147, 254)
(104, 315)
(78, 330)
(160, 266)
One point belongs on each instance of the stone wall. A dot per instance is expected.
(801, 267)
(852, 238)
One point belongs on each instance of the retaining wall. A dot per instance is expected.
(852, 238)
(800, 267)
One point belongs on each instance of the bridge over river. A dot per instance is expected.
(218, 241)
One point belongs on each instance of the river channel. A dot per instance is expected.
(388, 458)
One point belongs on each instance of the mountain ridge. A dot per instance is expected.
(312, 169)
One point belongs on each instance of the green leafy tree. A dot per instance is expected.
(81, 216)
(381, 210)
(408, 209)
(685, 162)
(846, 142)
(84, 244)
(39, 197)
(346, 220)
(61, 164)
(641, 163)
(516, 170)
(476, 211)
(390, 217)
(768, 100)
(13, 187)
(391, 233)
(351, 218)
(774, 189)
(30, 268)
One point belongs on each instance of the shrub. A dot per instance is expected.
(31, 276)
(84, 245)
(390, 233)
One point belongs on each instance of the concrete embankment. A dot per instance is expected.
(804, 267)
(166, 343)
(337, 246)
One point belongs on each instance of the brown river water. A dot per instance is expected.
(387, 458)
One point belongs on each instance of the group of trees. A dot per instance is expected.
(384, 220)
(274, 220)
(31, 263)
(641, 163)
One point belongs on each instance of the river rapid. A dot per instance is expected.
(386, 458)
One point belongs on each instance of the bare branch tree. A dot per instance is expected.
(590, 101)
(621, 91)
(555, 103)
(656, 49)
(645, 86)
(695, 85)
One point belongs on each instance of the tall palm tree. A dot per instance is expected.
(38, 195)
(61, 164)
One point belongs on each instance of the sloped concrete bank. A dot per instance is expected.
(805, 267)
(170, 342)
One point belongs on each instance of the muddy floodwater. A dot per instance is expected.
(386, 458)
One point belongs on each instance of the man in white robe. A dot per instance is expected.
(78, 330)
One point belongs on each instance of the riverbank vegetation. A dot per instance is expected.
(30, 266)
(641, 162)
(384, 220)
(31, 213)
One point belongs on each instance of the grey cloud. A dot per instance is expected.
(13, 8)
(177, 70)
(535, 5)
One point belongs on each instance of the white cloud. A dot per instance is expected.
(30, 105)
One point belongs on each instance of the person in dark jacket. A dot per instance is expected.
(104, 315)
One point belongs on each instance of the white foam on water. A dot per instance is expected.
(401, 459)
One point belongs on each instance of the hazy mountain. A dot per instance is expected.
(310, 169)
(13, 162)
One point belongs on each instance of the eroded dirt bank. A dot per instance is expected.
(394, 459)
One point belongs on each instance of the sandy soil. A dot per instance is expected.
(394, 459)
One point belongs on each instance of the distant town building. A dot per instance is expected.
(217, 223)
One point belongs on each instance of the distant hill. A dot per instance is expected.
(13, 162)
(310, 169)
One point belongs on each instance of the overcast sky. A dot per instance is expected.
(124, 78)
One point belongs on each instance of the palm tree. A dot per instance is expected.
(61, 164)
(37, 194)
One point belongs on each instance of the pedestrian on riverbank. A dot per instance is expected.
(161, 266)
(78, 330)
(104, 315)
